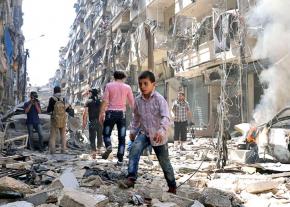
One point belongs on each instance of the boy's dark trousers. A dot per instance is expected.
(141, 142)
(118, 118)
(95, 131)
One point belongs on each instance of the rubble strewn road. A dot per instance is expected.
(76, 180)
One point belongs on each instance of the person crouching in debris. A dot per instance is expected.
(92, 108)
(32, 109)
(115, 97)
(151, 115)
(58, 109)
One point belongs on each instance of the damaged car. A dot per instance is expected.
(270, 140)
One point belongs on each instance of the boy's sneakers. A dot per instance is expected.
(128, 183)
(172, 190)
(106, 154)
(119, 164)
(182, 148)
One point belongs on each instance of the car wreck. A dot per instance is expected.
(270, 140)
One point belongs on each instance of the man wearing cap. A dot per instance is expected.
(92, 108)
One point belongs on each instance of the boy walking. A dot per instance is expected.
(151, 119)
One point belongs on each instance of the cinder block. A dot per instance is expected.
(239, 155)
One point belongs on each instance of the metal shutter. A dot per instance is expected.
(197, 97)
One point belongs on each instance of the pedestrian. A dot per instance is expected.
(57, 109)
(32, 109)
(149, 127)
(92, 108)
(114, 101)
(182, 115)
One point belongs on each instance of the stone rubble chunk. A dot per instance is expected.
(217, 198)
(197, 182)
(79, 173)
(74, 198)
(258, 202)
(91, 181)
(66, 180)
(261, 186)
(19, 165)
(165, 204)
(18, 204)
(47, 205)
(38, 198)
(8, 183)
(197, 204)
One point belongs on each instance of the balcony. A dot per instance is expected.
(194, 62)
(97, 19)
(121, 21)
(159, 3)
(84, 86)
(200, 8)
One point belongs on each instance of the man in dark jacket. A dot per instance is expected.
(32, 109)
(92, 108)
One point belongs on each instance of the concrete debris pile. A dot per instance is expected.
(77, 180)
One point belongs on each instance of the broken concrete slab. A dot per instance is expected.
(197, 204)
(74, 198)
(19, 165)
(66, 180)
(18, 204)
(258, 202)
(8, 183)
(47, 205)
(240, 156)
(38, 198)
(92, 181)
(165, 205)
(217, 198)
(197, 182)
(261, 186)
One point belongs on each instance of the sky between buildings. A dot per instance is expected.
(51, 18)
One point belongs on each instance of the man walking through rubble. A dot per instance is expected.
(32, 109)
(57, 109)
(92, 108)
(115, 97)
(181, 112)
(150, 124)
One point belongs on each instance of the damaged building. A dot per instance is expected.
(201, 47)
(13, 56)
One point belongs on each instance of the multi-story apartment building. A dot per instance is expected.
(199, 46)
(12, 54)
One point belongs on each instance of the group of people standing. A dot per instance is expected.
(149, 125)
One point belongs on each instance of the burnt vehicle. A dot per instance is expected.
(14, 123)
(270, 140)
(274, 137)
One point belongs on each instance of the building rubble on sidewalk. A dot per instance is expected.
(76, 180)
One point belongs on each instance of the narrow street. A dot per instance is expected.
(201, 85)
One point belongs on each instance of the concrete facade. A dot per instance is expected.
(12, 55)
(200, 47)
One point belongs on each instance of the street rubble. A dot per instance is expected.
(74, 179)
